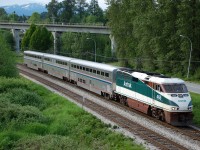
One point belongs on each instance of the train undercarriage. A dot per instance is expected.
(173, 118)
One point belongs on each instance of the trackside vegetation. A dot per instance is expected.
(32, 117)
(196, 108)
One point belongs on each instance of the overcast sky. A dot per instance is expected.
(19, 2)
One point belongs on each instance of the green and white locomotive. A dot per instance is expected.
(155, 94)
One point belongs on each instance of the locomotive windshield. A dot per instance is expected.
(175, 88)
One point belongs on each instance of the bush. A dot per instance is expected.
(7, 59)
(20, 114)
(197, 74)
(9, 83)
(25, 97)
(46, 142)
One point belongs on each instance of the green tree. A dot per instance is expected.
(3, 14)
(7, 59)
(35, 18)
(67, 10)
(95, 10)
(41, 39)
(53, 8)
(27, 36)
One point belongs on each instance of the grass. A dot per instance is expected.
(54, 123)
(196, 108)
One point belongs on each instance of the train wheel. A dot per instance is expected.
(123, 100)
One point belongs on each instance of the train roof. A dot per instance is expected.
(156, 78)
(34, 53)
(94, 64)
(57, 57)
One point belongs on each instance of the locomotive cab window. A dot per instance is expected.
(158, 87)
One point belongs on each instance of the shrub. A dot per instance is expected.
(25, 97)
(197, 74)
(9, 83)
(20, 114)
(46, 142)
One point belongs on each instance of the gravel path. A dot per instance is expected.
(193, 87)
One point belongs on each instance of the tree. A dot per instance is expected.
(27, 36)
(41, 39)
(53, 8)
(3, 14)
(96, 11)
(81, 7)
(7, 59)
(67, 10)
(35, 18)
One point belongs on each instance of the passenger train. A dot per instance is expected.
(162, 97)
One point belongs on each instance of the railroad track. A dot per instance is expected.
(146, 134)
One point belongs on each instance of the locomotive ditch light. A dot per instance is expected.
(190, 108)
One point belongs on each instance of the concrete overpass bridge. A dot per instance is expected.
(56, 29)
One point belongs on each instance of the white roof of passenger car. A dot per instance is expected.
(94, 65)
(57, 57)
(34, 53)
(155, 79)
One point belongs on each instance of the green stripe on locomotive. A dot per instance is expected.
(129, 82)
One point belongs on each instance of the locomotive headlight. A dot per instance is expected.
(173, 108)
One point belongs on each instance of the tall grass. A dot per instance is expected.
(34, 118)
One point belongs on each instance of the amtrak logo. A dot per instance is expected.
(127, 84)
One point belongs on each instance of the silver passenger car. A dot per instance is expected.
(96, 77)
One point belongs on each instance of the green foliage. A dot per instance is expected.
(19, 114)
(77, 45)
(27, 37)
(46, 142)
(60, 125)
(24, 97)
(37, 37)
(147, 34)
(7, 35)
(196, 107)
(41, 39)
(7, 59)
(35, 18)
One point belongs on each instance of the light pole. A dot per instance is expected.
(190, 53)
(95, 47)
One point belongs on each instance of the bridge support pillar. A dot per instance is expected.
(55, 36)
(113, 45)
(16, 36)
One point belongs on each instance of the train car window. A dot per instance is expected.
(90, 70)
(77, 67)
(107, 74)
(98, 72)
(102, 73)
(74, 66)
(84, 68)
(83, 81)
(81, 67)
(134, 79)
(87, 69)
(94, 71)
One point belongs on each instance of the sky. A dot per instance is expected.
(19, 2)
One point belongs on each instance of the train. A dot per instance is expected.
(162, 97)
